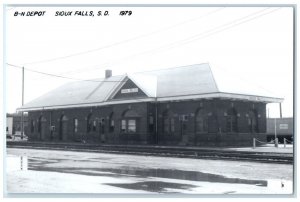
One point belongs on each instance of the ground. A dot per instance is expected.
(51, 171)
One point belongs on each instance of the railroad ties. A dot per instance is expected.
(162, 151)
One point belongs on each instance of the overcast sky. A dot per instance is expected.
(254, 44)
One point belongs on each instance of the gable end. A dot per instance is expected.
(129, 90)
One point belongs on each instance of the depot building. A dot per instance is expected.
(189, 105)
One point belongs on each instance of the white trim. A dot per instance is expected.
(252, 98)
(111, 102)
(129, 90)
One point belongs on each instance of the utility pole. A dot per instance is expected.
(22, 113)
(280, 110)
(156, 122)
(276, 139)
(275, 129)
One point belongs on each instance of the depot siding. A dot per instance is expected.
(167, 123)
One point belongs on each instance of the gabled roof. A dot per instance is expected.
(179, 83)
(201, 80)
(79, 92)
(186, 80)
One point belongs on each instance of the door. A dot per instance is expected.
(183, 128)
(63, 123)
(42, 124)
(102, 131)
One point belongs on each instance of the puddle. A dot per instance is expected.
(229, 192)
(149, 173)
(185, 175)
(150, 179)
(154, 186)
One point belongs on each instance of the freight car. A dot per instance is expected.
(284, 128)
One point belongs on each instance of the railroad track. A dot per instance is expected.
(180, 152)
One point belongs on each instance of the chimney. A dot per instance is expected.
(108, 73)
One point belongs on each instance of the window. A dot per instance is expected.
(123, 126)
(40, 125)
(6, 129)
(199, 124)
(172, 124)
(102, 126)
(252, 122)
(32, 126)
(231, 120)
(151, 124)
(129, 122)
(94, 125)
(151, 121)
(131, 126)
(89, 123)
(75, 125)
(128, 126)
(111, 123)
(63, 127)
(213, 124)
(168, 122)
(112, 126)
(201, 121)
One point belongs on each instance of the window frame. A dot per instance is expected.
(168, 123)
(127, 116)
(253, 122)
(101, 123)
(75, 125)
(204, 121)
(131, 125)
(232, 121)
(89, 123)
(151, 123)
(111, 124)
(32, 126)
(94, 126)
(125, 125)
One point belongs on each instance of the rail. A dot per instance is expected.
(166, 151)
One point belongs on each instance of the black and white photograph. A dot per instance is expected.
(149, 100)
